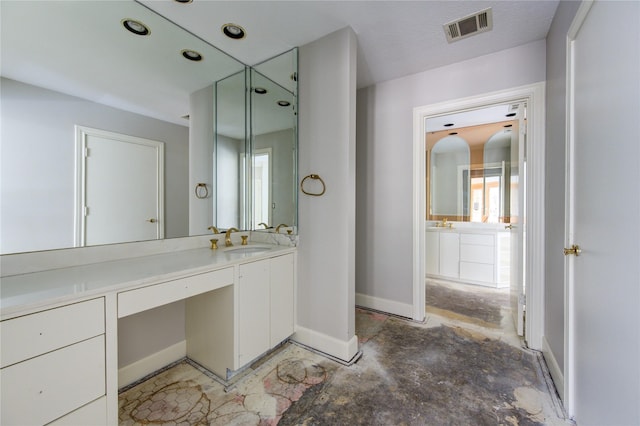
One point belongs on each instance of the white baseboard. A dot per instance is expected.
(554, 367)
(384, 305)
(344, 350)
(145, 366)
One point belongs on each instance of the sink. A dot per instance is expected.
(246, 250)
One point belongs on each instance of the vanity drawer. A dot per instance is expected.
(42, 389)
(477, 239)
(476, 253)
(141, 299)
(94, 414)
(476, 272)
(32, 335)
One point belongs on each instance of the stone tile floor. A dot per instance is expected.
(456, 368)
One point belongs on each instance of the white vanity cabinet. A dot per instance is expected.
(265, 305)
(468, 255)
(53, 366)
(226, 328)
(442, 253)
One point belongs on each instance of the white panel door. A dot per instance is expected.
(121, 188)
(517, 223)
(603, 215)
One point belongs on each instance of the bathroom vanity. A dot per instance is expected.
(470, 254)
(59, 326)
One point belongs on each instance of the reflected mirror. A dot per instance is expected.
(68, 64)
(469, 165)
(258, 191)
(274, 144)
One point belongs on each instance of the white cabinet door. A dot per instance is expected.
(449, 254)
(282, 302)
(253, 310)
(432, 261)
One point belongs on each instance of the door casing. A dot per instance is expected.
(534, 96)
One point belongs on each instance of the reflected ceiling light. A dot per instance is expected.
(191, 55)
(453, 133)
(511, 114)
(260, 90)
(233, 31)
(448, 125)
(284, 103)
(508, 125)
(184, 1)
(136, 27)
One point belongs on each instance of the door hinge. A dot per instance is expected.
(87, 152)
(86, 211)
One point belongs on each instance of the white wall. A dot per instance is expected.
(37, 176)
(384, 261)
(326, 273)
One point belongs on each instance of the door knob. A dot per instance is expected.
(574, 250)
(509, 227)
(152, 220)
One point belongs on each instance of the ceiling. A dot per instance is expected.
(80, 48)
(395, 38)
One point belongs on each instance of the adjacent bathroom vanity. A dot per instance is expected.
(59, 326)
(471, 254)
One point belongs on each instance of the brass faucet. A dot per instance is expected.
(280, 226)
(444, 224)
(227, 236)
(263, 224)
(213, 229)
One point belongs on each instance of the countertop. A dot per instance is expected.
(20, 294)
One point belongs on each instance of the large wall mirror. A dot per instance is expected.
(70, 71)
(469, 164)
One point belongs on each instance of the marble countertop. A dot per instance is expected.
(20, 294)
(468, 229)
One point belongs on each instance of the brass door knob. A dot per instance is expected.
(573, 250)
(509, 227)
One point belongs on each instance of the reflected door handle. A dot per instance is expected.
(152, 220)
(573, 250)
(509, 227)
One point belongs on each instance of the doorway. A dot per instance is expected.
(533, 272)
(474, 209)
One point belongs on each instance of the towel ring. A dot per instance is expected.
(200, 193)
(315, 177)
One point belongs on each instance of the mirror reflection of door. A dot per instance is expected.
(262, 201)
(120, 188)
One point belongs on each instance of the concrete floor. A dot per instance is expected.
(463, 366)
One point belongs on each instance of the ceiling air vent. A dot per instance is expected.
(477, 23)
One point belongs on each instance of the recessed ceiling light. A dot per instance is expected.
(284, 103)
(136, 27)
(448, 125)
(511, 114)
(191, 55)
(233, 31)
(184, 1)
(260, 90)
